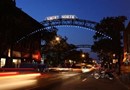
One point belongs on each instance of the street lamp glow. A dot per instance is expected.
(57, 39)
(83, 55)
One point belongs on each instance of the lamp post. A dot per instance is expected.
(83, 56)
(57, 39)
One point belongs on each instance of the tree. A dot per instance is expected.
(112, 27)
(76, 56)
(55, 50)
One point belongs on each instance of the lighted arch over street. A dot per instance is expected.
(66, 21)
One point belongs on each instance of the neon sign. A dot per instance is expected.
(61, 17)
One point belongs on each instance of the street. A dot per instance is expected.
(74, 81)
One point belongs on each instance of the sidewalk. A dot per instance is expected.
(125, 69)
(124, 77)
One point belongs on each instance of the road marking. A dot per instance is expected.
(84, 79)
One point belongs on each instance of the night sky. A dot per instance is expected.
(93, 10)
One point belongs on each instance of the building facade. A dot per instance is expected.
(127, 39)
(127, 44)
(15, 44)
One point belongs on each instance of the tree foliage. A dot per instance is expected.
(108, 37)
(55, 50)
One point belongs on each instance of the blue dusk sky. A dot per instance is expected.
(93, 10)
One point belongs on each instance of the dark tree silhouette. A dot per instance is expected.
(54, 50)
(113, 27)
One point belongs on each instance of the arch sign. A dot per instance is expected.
(66, 20)
(61, 17)
(70, 20)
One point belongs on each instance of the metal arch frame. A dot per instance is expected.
(74, 22)
(67, 22)
(84, 46)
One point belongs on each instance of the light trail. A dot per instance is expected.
(17, 81)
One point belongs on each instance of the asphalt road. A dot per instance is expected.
(74, 81)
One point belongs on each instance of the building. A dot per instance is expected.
(127, 43)
(127, 39)
(15, 26)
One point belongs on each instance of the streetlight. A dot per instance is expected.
(55, 41)
(57, 38)
(83, 55)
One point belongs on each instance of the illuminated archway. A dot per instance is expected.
(66, 21)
